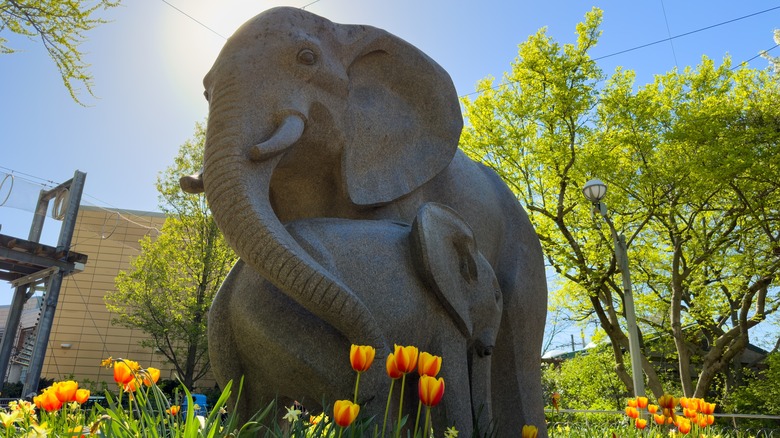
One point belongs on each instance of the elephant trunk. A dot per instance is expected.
(237, 185)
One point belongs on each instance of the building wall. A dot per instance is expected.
(82, 334)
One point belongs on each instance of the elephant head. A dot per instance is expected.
(370, 117)
(452, 267)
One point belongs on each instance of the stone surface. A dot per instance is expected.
(311, 119)
(428, 286)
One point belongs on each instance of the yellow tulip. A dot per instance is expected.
(530, 431)
(430, 390)
(124, 371)
(391, 368)
(82, 395)
(406, 358)
(345, 412)
(428, 364)
(152, 375)
(361, 357)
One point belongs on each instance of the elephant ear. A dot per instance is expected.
(445, 252)
(403, 120)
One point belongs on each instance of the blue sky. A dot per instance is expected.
(149, 60)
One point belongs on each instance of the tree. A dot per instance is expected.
(774, 61)
(691, 174)
(61, 25)
(169, 288)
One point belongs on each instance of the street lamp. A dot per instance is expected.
(594, 190)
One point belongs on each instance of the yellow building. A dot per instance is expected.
(82, 334)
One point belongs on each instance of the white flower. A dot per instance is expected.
(292, 414)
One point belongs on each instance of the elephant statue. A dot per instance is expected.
(313, 119)
(428, 286)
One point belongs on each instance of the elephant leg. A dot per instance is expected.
(516, 363)
(456, 409)
(223, 351)
(479, 378)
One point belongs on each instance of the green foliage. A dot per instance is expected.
(692, 172)
(761, 395)
(586, 381)
(170, 286)
(60, 24)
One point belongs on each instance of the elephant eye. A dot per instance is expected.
(307, 57)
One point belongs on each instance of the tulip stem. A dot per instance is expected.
(417, 420)
(357, 382)
(400, 407)
(387, 407)
(427, 421)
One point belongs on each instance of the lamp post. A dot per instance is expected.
(594, 190)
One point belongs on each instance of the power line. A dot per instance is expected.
(687, 33)
(495, 87)
(194, 19)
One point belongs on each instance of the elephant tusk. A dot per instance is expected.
(192, 183)
(286, 135)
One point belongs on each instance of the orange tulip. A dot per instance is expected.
(65, 391)
(405, 358)
(689, 413)
(632, 403)
(152, 375)
(132, 385)
(652, 409)
(173, 410)
(82, 395)
(667, 401)
(659, 419)
(124, 371)
(76, 431)
(640, 423)
(701, 420)
(392, 370)
(684, 426)
(48, 401)
(345, 412)
(361, 357)
(431, 390)
(710, 419)
(707, 408)
(530, 431)
(685, 402)
(632, 412)
(641, 402)
(556, 401)
(428, 364)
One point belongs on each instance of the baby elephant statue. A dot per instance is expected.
(426, 284)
